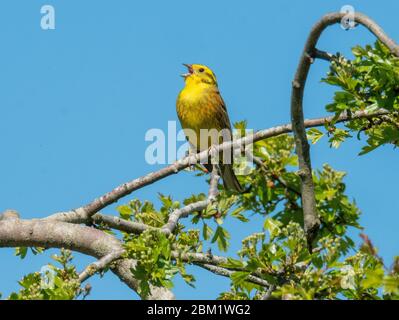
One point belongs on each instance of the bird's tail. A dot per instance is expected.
(230, 181)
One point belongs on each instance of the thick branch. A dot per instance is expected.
(55, 234)
(311, 219)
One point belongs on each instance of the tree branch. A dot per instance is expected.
(213, 184)
(227, 273)
(311, 219)
(82, 214)
(183, 212)
(118, 223)
(15, 232)
(267, 295)
(199, 259)
(270, 174)
(322, 55)
(60, 230)
(99, 265)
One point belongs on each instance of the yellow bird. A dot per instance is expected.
(203, 116)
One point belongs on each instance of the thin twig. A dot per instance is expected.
(176, 215)
(198, 258)
(99, 265)
(322, 55)
(262, 165)
(197, 206)
(268, 293)
(228, 273)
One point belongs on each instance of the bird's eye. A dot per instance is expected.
(201, 70)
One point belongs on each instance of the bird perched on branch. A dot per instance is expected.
(203, 116)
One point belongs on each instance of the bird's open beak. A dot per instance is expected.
(190, 70)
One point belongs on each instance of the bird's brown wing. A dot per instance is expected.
(223, 122)
(223, 115)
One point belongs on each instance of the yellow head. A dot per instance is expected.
(199, 74)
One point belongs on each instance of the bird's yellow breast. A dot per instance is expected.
(196, 109)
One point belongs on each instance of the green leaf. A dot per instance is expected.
(21, 252)
(221, 236)
(273, 226)
(233, 264)
(391, 285)
(338, 137)
(373, 278)
(239, 277)
(236, 213)
(206, 231)
(125, 212)
(314, 135)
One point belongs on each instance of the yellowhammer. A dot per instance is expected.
(203, 116)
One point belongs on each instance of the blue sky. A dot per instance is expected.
(76, 102)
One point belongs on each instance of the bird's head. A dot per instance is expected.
(198, 73)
